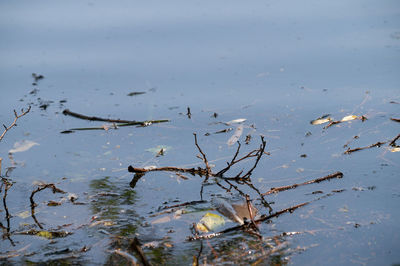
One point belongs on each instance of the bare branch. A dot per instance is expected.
(209, 172)
(280, 189)
(14, 123)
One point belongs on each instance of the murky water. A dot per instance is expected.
(277, 64)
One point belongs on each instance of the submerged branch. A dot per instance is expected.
(33, 204)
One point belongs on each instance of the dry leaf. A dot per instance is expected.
(236, 135)
(321, 120)
(209, 222)
(22, 146)
(349, 118)
(395, 149)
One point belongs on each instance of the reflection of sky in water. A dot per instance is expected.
(200, 48)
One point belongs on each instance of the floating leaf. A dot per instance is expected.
(210, 222)
(45, 234)
(22, 146)
(24, 214)
(236, 135)
(235, 212)
(349, 118)
(236, 121)
(395, 149)
(321, 120)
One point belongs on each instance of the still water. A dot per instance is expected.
(277, 64)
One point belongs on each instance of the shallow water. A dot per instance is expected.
(278, 64)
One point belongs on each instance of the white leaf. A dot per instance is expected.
(22, 145)
(236, 135)
(395, 149)
(236, 121)
(348, 118)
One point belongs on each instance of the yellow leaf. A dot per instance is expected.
(45, 234)
(348, 118)
(395, 149)
(209, 222)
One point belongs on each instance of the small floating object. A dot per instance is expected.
(210, 222)
(321, 120)
(348, 118)
(236, 121)
(235, 212)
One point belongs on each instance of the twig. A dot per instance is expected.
(135, 246)
(95, 118)
(259, 154)
(14, 122)
(209, 172)
(395, 119)
(126, 255)
(194, 171)
(378, 144)
(393, 141)
(283, 188)
(194, 202)
(33, 204)
(7, 186)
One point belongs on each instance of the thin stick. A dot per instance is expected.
(209, 172)
(194, 202)
(193, 171)
(378, 144)
(14, 122)
(126, 255)
(95, 118)
(135, 246)
(393, 142)
(283, 188)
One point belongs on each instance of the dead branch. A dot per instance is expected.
(395, 119)
(393, 141)
(95, 118)
(7, 185)
(283, 188)
(378, 144)
(194, 171)
(208, 169)
(14, 123)
(194, 202)
(33, 204)
(135, 246)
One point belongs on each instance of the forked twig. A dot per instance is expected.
(15, 121)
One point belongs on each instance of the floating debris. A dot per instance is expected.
(321, 120)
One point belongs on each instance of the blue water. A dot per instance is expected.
(279, 64)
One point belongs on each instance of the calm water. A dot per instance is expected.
(278, 64)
